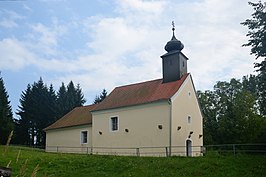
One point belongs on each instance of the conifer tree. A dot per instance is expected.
(37, 111)
(69, 98)
(40, 106)
(6, 115)
(61, 101)
(100, 98)
(23, 125)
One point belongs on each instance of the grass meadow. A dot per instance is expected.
(31, 162)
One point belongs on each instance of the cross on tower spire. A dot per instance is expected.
(173, 24)
(173, 28)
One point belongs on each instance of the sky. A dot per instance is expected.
(107, 43)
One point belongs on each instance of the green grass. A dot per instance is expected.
(56, 165)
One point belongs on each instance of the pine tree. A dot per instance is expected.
(40, 106)
(100, 98)
(61, 101)
(97, 99)
(6, 116)
(23, 125)
(103, 95)
(80, 100)
(37, 111)
(52, 104)
(74, 96)
(69, 98)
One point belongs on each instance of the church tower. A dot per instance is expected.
(174, 61)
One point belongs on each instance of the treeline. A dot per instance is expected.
(39, 107)
(233, 112)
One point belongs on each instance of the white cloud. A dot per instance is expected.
(213, 36)
(8, 23)
(14, 55)
(48, 1)
(9, 18)
(126, 48)
(210, 30)
(45, 38)
(48, 37)
(115, 37)
(27, 8)
(136, 6)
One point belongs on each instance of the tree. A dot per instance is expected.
(75, 96)
(52, 102)
(208, 101)
(37, 111)
(250, 84)
(40, 106)
(79, 96)
(257, 42)
(69, 98)
(6, 115)
(238, 122)
(61, 100)
(22, 126)
(230, 113)
(100, 98)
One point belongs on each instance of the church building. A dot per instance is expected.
(160, 117)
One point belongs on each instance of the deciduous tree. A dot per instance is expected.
(230, 113)
(257, 42)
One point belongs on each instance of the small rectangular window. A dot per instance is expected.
(84, 137)
(189, 119)
(114, 123)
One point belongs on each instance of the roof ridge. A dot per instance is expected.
(83, 106)
(139, 93)
(87, 105)
(138, 83)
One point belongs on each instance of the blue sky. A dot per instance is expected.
(104, 43)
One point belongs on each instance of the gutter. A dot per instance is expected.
(48, 129)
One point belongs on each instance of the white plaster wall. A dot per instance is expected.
(68, 139)
(142, 122)
(184, 104)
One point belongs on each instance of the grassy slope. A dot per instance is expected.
(51, 164)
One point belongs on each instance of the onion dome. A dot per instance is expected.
(174, 44)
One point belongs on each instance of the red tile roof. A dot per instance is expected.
(140, 93)
(78, 116)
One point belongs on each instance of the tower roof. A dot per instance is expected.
(174, 44)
